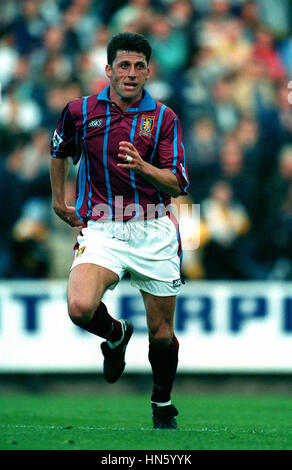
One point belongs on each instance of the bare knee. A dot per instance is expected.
(80, 311)
(161, 336)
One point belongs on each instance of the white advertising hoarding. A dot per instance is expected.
(221, 327)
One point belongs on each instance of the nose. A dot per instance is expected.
(132, 72)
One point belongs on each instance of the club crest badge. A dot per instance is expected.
(146, 125)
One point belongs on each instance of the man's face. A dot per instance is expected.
(127, 75)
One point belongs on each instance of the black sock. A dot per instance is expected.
(103, 325)
(164, 364)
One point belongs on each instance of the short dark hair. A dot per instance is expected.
(128, 42)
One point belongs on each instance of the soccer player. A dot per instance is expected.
(132, 162)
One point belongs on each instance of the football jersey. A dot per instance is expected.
(90, 130)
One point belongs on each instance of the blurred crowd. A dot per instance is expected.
(224, 66)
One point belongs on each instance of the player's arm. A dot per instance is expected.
(162, 178)
(58, 172)
(63, 144)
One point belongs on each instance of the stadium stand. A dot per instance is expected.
(223, 65)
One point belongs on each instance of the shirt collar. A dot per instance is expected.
(147, 103)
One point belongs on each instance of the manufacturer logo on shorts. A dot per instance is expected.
(80, 251)
(176, 283)
(95, 123)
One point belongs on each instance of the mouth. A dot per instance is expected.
(130, 85)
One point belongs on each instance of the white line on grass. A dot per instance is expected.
(85, 428)
(109, 428)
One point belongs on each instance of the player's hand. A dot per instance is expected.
(127, 151)
(68, 214)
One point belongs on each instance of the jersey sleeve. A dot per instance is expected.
(64, 139)
(171, 151)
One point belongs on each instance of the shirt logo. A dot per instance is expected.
(95, 123)
(146, 125)
(176, 283)
(56, 140)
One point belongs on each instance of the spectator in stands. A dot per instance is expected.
(224, 109)
(281, 181)
(202, 157)
(80, 24)
(227, 221)
(196, 84)
(51, 59)
(182, 17)
(265, 52)
(274, 236)
(211, 29)
(35, 166)
(233, 50)
(55, 99)
(250, 18)
(247, 133)
(29, 241)
(12, 198)
(252, 89)
(277, 119)
(232, 168)
(139, 12)
(28, 27)
(170, 47)
(255, 162)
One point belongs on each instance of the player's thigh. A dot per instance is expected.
(160, 315)
(86, 286)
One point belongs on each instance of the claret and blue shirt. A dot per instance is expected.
(90, 130)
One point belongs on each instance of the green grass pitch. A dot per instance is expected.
(111, 422)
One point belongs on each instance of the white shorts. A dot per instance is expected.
(149, 250)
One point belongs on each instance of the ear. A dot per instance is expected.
(148, 73)
(108, 71)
